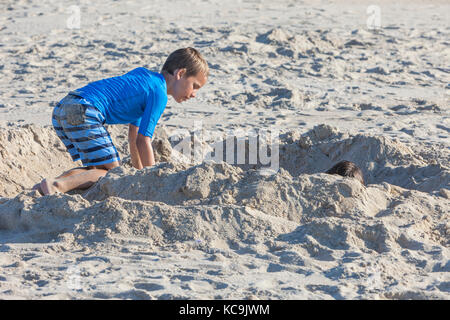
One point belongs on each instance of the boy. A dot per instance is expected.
(137, 98)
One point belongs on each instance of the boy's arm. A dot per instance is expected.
(141, 149)
(132, 139)
(145, 150)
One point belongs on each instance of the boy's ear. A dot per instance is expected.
(179, 73)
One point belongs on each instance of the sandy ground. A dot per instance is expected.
(357, 80)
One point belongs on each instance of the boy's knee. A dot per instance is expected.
(56, 184)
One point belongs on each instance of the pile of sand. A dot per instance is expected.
(220, 202)
(30, 153)
(301, 215)
(380, 158)
(27, 154)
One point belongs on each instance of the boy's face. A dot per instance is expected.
(186, 88)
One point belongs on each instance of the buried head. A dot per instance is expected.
(347, 169)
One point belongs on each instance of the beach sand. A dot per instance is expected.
(332, 80)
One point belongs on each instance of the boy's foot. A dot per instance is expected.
(48, 187)
(37, 187)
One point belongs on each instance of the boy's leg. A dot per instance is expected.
(81, 180)
(90, 142)
(72, 171)
(65, 174)
(58, 118)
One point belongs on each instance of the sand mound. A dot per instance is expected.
(27, 154)
(298, 217)
(301, 44)
(380, 158)
(228, 204)
(72, 218)
(383, 236)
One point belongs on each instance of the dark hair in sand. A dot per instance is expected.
(188, 58)
(347, 169)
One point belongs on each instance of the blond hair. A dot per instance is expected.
(188, 58)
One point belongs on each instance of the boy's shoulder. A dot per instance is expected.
(140, 70)
(144, 70)
(152, 75)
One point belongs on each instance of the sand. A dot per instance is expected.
(323, 76)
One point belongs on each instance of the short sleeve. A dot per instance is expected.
(156, 103)
(136, 123)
